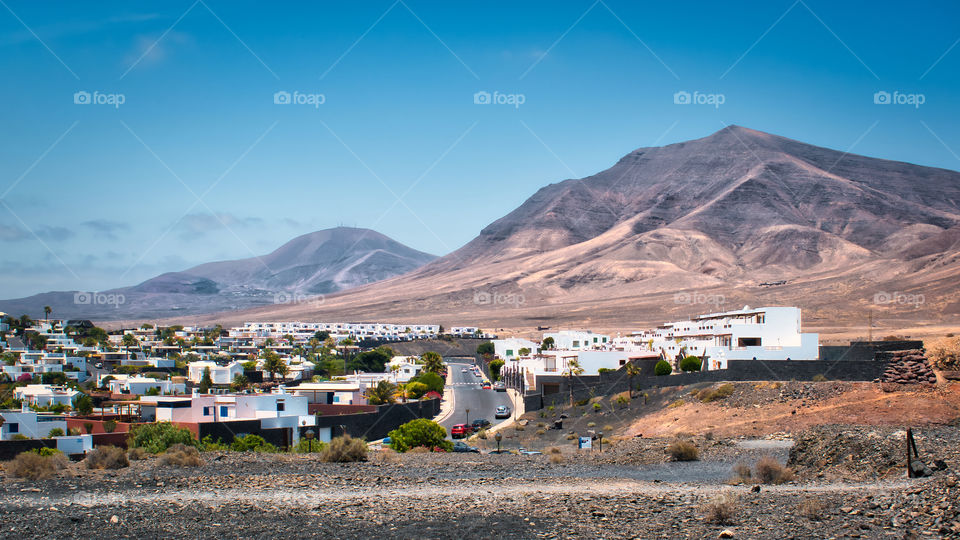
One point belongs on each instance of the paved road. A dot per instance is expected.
(467, 394)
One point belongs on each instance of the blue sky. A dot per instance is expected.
(199, 163)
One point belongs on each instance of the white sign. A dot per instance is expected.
(586, 442)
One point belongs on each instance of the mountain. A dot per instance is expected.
(651, 236)
(304, 268)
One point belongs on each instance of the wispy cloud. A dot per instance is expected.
(13, 233)
(196, 225)
(74, 28)
(105, 228)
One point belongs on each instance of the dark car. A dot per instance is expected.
(480, 423)
(461, 446)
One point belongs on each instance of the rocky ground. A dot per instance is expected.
(631, 490)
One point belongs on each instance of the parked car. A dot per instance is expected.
(499, 386)
(524, 452)
(461, 446)
(386, 441)
(460, 431)
(480, 423)
(464, 370)
(502, 412)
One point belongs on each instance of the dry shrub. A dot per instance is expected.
(181, 455)
(519, 427)
(716, 393)
(106, 457)
(541, 431)
(812, 509)
(721, 509)
(137, 453)
(419, 450)
(675, 404)
(944, 353)
(820, 377)
(33, 466)
(683, 451)
(387, 456)
(553, 450)
(741, 474)
(556, 458)
(571, 437)
(344, 449)
(770, 471)
(608, 428)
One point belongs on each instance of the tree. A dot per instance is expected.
(486, 349)
(206, 381)
(272, 363)
(415, 389)
(632, 371)
(690, 363)
(547, 343)
(573, 368)
(434, 382)
(495, 366)
(523, 351)
(662, 368)
(432, 362)
(47, 310)
(420, 433)
(129, 340)
(55, 432)
(374, 361)
(240, 382)
(83, 404)
(382, 393)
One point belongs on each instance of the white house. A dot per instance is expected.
(219, 374)
(578, 340)
(767, 333)
(126, 384)
(30, 424)
(404, 368)
(45, 395)
(331, 392)
(510, 347)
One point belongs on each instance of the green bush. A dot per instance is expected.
(207, 444)
(415, 390)
(252, 443)
(55, 432)
(433, 381)
(690, 363)
(417, 433)
(597, 407)
(306, 446)
(46, 451)
(662, 368)
(156, 438)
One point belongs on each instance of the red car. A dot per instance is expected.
(460, 431)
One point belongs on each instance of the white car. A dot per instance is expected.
(502, 412)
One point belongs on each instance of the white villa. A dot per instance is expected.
(45, 395)
(510, 347)
(30, 424)
(219, 374)
(129, 384)
(767, 333)
(578, 340)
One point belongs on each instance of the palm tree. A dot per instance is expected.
(240, 382)
(632, 371)
(382, 393)
(432, 362)
(47, 310)
(573, 368)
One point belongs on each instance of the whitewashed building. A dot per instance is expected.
(218, 374)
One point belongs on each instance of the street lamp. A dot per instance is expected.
(498, 436)
(468, 417)
(600, 441)
(309, 435)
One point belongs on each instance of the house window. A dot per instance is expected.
(279, 406)
(509, 352)
(14, 427)
(748, 342)
(576, 344)
(224, 410)
(207, 411)
(595, 340)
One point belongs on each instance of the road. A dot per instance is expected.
(467, 394)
